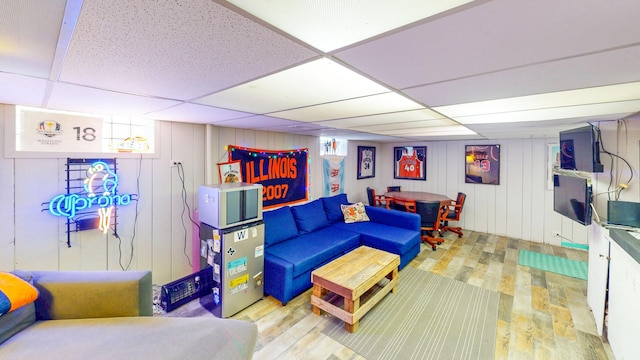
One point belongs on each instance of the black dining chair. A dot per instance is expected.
(394, 188)
(376, 200)
(455, 209)
(430, 215)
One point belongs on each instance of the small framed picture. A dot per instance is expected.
(230, 172)
(410, 162)
(366, 162)
(482, 164)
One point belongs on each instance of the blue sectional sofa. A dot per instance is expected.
(300, 239)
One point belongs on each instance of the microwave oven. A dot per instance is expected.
(229, 204)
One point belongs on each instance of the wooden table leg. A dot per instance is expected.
(351, 306)
(392, 275)
(317, 292)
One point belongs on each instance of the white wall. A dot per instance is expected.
(520, 207)
(32, 239)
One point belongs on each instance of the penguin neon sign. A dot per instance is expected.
(100, 192)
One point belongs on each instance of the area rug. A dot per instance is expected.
(429, 317)
(555, 264)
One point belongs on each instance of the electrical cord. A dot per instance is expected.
(185, 207)
(135, 223)
(620, 187)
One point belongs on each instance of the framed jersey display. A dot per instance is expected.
(366, 162)
(482, 164)
(410, 162)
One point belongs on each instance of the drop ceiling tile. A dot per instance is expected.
(263, 122)
(368, 105)
(361, 136)
(414, 125)
(172, 49)
(63, 97)
(493, 36)
(595, 95)
(385, 118)
(317, 82)
(432, 131)
(605, 68)
(195, 113)
(549, 129)
(22, 90)
(330, 25)
(567, 112)
(29, 32)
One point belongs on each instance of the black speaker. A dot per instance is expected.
(624, 213)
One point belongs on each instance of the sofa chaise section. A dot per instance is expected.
(108, 315)
(388, 230)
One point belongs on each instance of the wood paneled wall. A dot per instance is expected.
(157, 235)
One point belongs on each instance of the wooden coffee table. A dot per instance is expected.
(353, 284)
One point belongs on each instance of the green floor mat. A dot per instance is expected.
(555, 264)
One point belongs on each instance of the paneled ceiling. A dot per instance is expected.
(375, 70)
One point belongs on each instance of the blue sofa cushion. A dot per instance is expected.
(332, 207)
(310, 216)
(279, 225)
(310, 251)
(389, 238)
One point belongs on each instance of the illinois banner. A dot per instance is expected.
(282, 173)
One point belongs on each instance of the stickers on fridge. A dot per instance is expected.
(241, 235)
(210, 253)
(239, 284)
(259, 251)
(236, 267)
(204, 248)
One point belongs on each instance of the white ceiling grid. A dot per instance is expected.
(358, 69)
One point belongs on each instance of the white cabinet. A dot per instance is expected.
(624, 300)
(598, 273)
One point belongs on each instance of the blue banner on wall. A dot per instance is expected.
(282, 173)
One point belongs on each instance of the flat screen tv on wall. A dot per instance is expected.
(572, 197)
(580, 149)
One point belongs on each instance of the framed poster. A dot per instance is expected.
(230, 172)
(410, 162)
(366, 162)
(482, 164)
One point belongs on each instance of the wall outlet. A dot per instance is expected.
(176, 162)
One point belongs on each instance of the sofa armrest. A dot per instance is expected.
(93, 294)
(278, 278)
(395, 218)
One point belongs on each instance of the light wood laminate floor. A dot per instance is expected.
(542, 315)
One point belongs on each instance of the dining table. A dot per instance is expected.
(421, 196)
(429, 214)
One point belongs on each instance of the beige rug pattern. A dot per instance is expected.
(429, 317)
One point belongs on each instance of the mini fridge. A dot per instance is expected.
(235, 257)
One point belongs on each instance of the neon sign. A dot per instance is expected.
(100, 187)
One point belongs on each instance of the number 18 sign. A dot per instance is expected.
(58, 132)
(482, 164)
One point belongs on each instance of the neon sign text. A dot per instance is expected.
(100, 187)
(68, 205)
